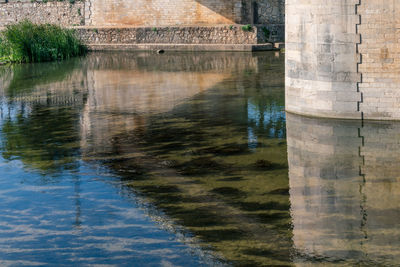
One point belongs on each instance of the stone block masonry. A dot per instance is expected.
(269, 12)
(343, 58)
(322, 58)
(60, 13)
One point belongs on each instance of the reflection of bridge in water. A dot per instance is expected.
(344, 189)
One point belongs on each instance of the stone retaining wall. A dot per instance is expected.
(172, 35)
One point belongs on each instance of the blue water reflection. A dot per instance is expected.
(78, 140)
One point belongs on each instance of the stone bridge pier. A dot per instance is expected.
(343, 58)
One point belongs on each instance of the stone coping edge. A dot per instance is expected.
(182, 26)
(187, 47)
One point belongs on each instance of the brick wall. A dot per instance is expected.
(380, 53)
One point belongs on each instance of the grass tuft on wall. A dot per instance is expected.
(29, 42)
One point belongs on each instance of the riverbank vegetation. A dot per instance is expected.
(29, 42)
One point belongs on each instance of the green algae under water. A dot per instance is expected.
(202, 143)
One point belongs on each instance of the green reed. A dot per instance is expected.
(29, 42)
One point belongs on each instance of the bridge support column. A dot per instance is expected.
(322, 59)
(343, 58)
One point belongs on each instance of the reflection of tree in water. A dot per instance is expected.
(45, 139)
(40, 111)
(24, 78)
(266, 116)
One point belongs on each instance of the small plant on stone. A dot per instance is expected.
(231, 27)
(246, 28)
(154, 29)
(267, 33)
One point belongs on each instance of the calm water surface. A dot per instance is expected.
(137, 159)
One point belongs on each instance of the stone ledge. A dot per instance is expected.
(187, 47)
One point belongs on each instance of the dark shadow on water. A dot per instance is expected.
(200, 166)
(220, 235)
(226, 149)
(229, 191)
(256, 206)
(266, 165)
(280, 191)
(231, 179)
